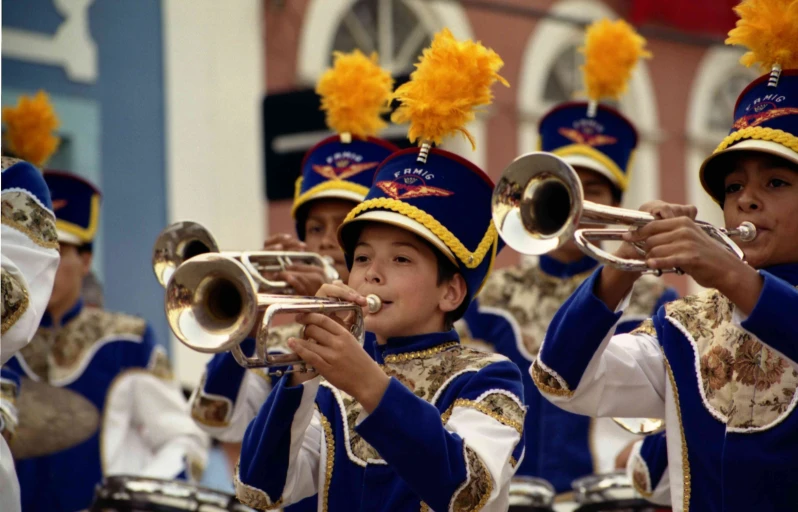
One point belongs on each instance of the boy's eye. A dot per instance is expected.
(732, 188)
(360, 258)
(777, 183)
(402, 259)
(314, 229)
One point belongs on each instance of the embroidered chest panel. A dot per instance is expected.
(743, 383)
(534, 297)
(56, 354)
(426, 374)
(23, 213)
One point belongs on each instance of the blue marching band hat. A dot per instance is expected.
(335, 169)
(603, 143)
(343, 166)
(586, 133)
(437, 195)
(766, 112)
(76, 203)
(765, 120)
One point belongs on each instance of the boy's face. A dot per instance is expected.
(68, 283)
(763, 189)
(321, 230)
(403, 271)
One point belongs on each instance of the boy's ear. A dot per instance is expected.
(454, 293)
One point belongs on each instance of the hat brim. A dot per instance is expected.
(400, 221)
(592, 165)
(709, 169)
(68, 238)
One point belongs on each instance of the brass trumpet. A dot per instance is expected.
(212, 305)
(182, 241)
(539, 203)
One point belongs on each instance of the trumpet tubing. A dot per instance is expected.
(212, 305)
(181, 241)
(538, 205)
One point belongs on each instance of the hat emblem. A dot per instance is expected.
(763, 112)
(59, 203)
(411, 186)
(587, 137)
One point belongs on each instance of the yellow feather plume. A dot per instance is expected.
(769, 29)
(29, 129)
(451, 79)
(355, 92)
(612, 50)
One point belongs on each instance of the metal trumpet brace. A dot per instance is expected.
(212, 305)
(182, 241)
(539, 203)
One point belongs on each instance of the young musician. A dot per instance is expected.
(336, 175)
(518, 303)
(112, 360)
(418, 422)
(721, 367)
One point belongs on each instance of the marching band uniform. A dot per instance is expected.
(338, 167)
(725, 383)
(518, 304)
(647, 469)
(112, 360)
(229, 396)
(29, 261)
(447, 433)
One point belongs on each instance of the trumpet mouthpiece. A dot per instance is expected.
(747, 231)
(374, 303)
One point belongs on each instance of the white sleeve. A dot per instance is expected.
(29, 263)
(230, 425)
(148, 430)
(625, 378)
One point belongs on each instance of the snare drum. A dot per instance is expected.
(138, 494)
(529, 494)
(610, 492)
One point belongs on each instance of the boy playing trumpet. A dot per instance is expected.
(417, 421)
(722, 366)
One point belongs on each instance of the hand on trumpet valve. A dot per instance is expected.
(284, 242)
(679, 242)
(338, 356)
(304, 279)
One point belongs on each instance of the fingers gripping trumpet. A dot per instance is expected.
(212, 305)
(182, 241)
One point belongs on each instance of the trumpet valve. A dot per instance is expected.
(373, 303)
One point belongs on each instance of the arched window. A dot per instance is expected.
(398, 30)
(393, 28)
(719, 81)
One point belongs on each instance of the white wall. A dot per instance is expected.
(214, 83)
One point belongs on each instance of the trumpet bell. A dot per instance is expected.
(537, 203)
(177, 243)
(209, 303)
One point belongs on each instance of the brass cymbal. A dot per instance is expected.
(51, 419)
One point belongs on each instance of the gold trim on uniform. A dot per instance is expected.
(547, 382)
(252, 496)
(647, 327)
(476, 490)
(329, 442)
(420, 354)
(685, 460)
(15, 300)
(498, 406)
(22, 212)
